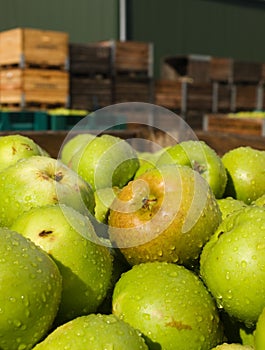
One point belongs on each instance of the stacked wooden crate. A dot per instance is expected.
(90, 76)
(132, 71)
(236, 84)
(109, 72)
(191, 73)
(33, 69)
(185, 86)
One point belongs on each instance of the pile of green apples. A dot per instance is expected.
(112, 248)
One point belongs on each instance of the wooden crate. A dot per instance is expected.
(222, 97)
(249, 72)
(90, 93)
(234, 125)
(26, 47)
(221, 69)
(129, 89)
(33, 87)
(196, 67)
(89, 59)
(198, 96)
(131, 57)
(226, 69)
(168, 94)
(244, 97)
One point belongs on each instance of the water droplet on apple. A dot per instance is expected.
(199, 318)
(22, 346)
(243, 264)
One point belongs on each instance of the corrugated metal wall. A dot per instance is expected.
(234, 28)
(84, 20)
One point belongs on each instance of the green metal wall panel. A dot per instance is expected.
(223, 28)
(84, 20)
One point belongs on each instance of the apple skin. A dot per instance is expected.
(228, 205)
(246, 177)
(166, 214)
(103, 200)
(170, 305)
(106, 161)
(148, 161)
(84, 263)
(38, 181)
(232, 264)
(260, 201)
(202, 158)
(30, 291)
(16, 147)
(95, 332)
(259, 333)
(70, 147)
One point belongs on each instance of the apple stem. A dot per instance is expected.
(147, 203)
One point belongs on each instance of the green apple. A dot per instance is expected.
(148, 160)
(228, 205)
(246, 177)
(103, 200)
(166, 214)
(259, 333)
(30, 291)
(95, 332)
(202, 158)
(73, 145)
(38, 181)
(106, 161)
(233, 346)
(170, 305)
(260, 201)
(16, 147)
(232, 264)
(85, 264)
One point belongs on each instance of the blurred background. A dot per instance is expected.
(198, 58)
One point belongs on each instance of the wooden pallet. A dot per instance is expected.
(230, 125)
(33, 88)
(26, 47)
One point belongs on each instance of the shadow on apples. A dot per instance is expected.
(230, 188)
(152, 345)
(120, 265)
(235, 331)
(65, 314)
